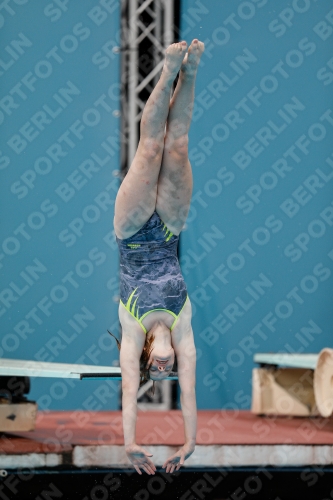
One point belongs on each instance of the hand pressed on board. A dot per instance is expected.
(139, 458)
(177, 460)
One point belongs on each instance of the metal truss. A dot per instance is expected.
(147, 27)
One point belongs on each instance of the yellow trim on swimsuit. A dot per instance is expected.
(131, 310)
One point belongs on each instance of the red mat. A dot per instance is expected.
(59, 431)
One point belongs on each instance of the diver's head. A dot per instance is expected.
(162, 355)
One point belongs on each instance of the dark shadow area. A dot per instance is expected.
(269, 483)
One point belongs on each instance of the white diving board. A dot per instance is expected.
(289, 360)
(29, 368)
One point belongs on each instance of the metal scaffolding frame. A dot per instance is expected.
(147, 27)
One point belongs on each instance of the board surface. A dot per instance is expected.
(29, 368)
(58, 370)
(285, 359)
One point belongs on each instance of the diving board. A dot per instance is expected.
(19, 414)
(29, 368)
(286, 359)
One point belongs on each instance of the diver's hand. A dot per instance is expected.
(177, 460)
(139, 458)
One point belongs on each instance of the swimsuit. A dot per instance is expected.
(150, 274)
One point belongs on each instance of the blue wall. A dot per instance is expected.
(59, 119)
(257, 254)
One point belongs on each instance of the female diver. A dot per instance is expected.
(150, 211)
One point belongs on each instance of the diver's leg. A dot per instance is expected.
(136, 198)
(174, 188)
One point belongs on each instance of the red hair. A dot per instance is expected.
(144, 358)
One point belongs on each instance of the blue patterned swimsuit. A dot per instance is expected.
(150, 275)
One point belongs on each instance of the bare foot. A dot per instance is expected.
(192, 58)
(174, 56)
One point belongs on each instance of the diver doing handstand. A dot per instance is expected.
(150, 212)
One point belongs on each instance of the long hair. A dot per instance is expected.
(145, 355)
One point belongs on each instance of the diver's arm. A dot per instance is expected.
(184, 347)
(186, 361)
(130, 374)
(183, 344)
(129, 405)
(189, 410)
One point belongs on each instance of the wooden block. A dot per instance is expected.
(323, 382)
(18, 416)
(303, 391)
(256, 406)
(286, 391)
